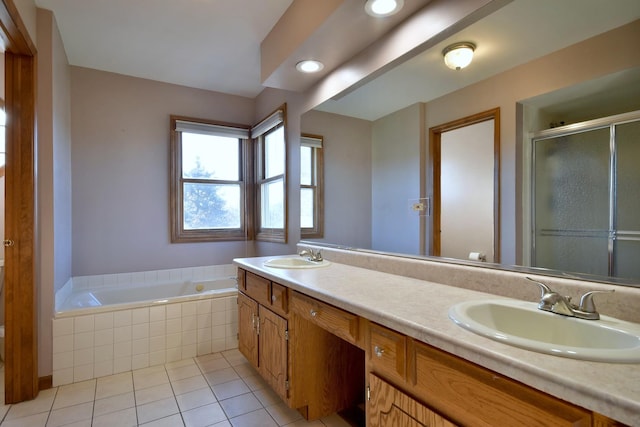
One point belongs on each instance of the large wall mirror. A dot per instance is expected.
(540, 63)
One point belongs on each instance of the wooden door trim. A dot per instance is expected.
(21, 302)
(434, 169)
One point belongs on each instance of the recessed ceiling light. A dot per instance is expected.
(381, 8)
(309, 66)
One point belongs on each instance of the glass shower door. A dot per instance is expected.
(572, 202)
(627, 240)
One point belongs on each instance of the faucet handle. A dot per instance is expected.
(544, 289)
(586, 301)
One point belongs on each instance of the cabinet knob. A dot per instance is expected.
(378, 351)
(273, 298)
(8, 242)
(313, 313)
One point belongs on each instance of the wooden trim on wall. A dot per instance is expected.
(435, 134)
(21, 302)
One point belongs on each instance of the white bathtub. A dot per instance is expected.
(102, 299)
(104, 327)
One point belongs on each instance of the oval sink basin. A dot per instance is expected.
(522, 324)
(295, 262)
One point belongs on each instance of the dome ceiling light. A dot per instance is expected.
(458, 55)
(382, 8)
(309, 66)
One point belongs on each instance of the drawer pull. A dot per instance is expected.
(273, 298)
(313, 313)
(378, 351)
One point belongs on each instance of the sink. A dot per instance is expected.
(295, 262)
(522, 324)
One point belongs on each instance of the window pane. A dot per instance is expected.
(210, 157)
(272, 214)
(208, 206)
(305, 166)
(306, 207)
(274, 153)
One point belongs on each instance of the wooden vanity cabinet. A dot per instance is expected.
(310, 368)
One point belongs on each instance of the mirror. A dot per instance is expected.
(539, 62)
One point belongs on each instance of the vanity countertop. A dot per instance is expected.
(419, 309)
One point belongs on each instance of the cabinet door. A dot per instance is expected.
(389, 407)
(247, 328)
(273, 351)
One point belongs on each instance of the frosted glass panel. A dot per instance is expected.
(628, 191)
(573, 254)
(626, 259)
(572, 182)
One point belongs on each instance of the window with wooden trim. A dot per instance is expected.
(270, 177)
(311, 187)
(208, 185)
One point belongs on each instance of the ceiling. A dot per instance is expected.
(515, 34)
(216, 44)
(209, 44)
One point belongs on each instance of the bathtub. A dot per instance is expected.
(102, 327)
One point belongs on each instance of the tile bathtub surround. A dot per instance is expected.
(96, 345)
(219, 389)
(622, 304)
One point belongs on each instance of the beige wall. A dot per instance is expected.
(54, 178)
(120, 169)
(584, 61)
(347, 176)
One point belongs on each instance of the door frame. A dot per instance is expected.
(434, 167)
(21, 301)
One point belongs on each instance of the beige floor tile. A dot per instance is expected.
(113, 404)
(150, 379)
(114, 385)
(195, 399)
(153, 394)
(183, 372)
(42, 403)
(208, 357)
(70, 414)
(37, 420)
(180, 363)
(305, 423)
(74, 394)
(225, 423)
(259, 418)
(239, 405)
(255, 382)
(122, 418)
(214, 365)
(189, 384)
(221, 376)
(267, 397)
(245, 370)
(171, 421)
(234, 357)
(230, 389)
(156, 410)
(282, 414)
(204, 416)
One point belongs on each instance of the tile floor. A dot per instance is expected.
(219, 389)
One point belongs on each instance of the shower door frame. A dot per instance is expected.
(609, 122)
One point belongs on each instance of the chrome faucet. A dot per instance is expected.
(556, 303)
(315, 256)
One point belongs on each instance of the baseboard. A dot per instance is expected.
(45, 382)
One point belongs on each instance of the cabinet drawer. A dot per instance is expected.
(387, 352)
(258, 288)
(335, 320)
(471, 395)
(279, 298)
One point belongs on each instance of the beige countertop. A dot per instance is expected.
(419, 309)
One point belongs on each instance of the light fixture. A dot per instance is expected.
(309, 66)
(458, 55)
(382, 8)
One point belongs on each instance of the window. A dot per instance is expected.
(271, 189)
(311, 187)
(208, 188)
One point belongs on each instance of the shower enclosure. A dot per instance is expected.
(586, 197)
